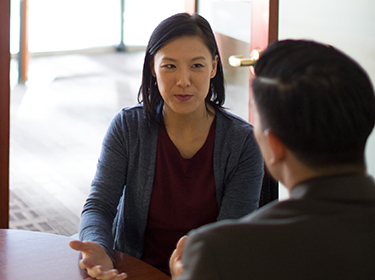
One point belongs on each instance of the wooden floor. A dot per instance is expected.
(58, 120)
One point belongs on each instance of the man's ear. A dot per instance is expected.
(276, 147)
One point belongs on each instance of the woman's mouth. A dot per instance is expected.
(183, 97)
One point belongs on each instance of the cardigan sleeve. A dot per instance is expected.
(106, 188)
(239, 167)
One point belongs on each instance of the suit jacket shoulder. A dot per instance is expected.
(314, 235)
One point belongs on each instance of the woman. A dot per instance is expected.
(173, 164)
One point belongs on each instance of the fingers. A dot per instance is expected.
(182, 241)
(176, 255)
(177, 269)
(180, 245)
(92, 255)
(83, 265)
(175, 264)
(78, 245)
(97, 272)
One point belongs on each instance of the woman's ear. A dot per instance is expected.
(276, 147)
(152, 68)
(214, 66)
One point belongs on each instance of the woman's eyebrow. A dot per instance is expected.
(168, 58)
(198, 58)
(193, 59)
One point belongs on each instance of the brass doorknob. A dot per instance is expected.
(238, 60)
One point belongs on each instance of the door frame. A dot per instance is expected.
(4, 111)
(268, 26)
(261, 25)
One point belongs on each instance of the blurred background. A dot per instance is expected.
(77, 80)
(85, 65)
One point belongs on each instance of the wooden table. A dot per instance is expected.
(34, 255)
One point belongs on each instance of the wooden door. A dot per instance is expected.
(4, 112)
(241, 27)
(264, 29)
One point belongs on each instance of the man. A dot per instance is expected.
(314, 110)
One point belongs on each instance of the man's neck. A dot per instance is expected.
(300, 173)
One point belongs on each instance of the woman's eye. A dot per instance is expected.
(169, 66)
(198, 65)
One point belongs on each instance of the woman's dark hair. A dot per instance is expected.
(178, 25)
(317, 100)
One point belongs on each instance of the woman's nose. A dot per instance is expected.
(183, 78)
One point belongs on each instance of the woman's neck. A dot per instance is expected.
(189, 132)
(188, 122)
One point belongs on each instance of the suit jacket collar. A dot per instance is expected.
(341, 187)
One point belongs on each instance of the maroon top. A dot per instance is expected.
(183, 197)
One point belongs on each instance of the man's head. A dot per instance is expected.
(317, 101)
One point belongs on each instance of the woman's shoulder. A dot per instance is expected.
(132, 121)
(228, 120)
(132, 117)
(134, 110)
(131, 114)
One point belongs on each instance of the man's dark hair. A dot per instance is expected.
(317, 100)
(176, 26)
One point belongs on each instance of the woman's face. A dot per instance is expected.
(183, 69)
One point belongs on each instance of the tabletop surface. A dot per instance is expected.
(35, 255)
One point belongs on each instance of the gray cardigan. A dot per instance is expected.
(115, 213)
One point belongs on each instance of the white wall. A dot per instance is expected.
(142, 16)
(349, 25)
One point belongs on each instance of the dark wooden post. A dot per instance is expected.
(4, 111)
(23, 55)
(273, 34)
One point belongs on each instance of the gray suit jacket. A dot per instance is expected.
(326, 230)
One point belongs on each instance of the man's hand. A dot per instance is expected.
(96, 261)
(175, 264)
